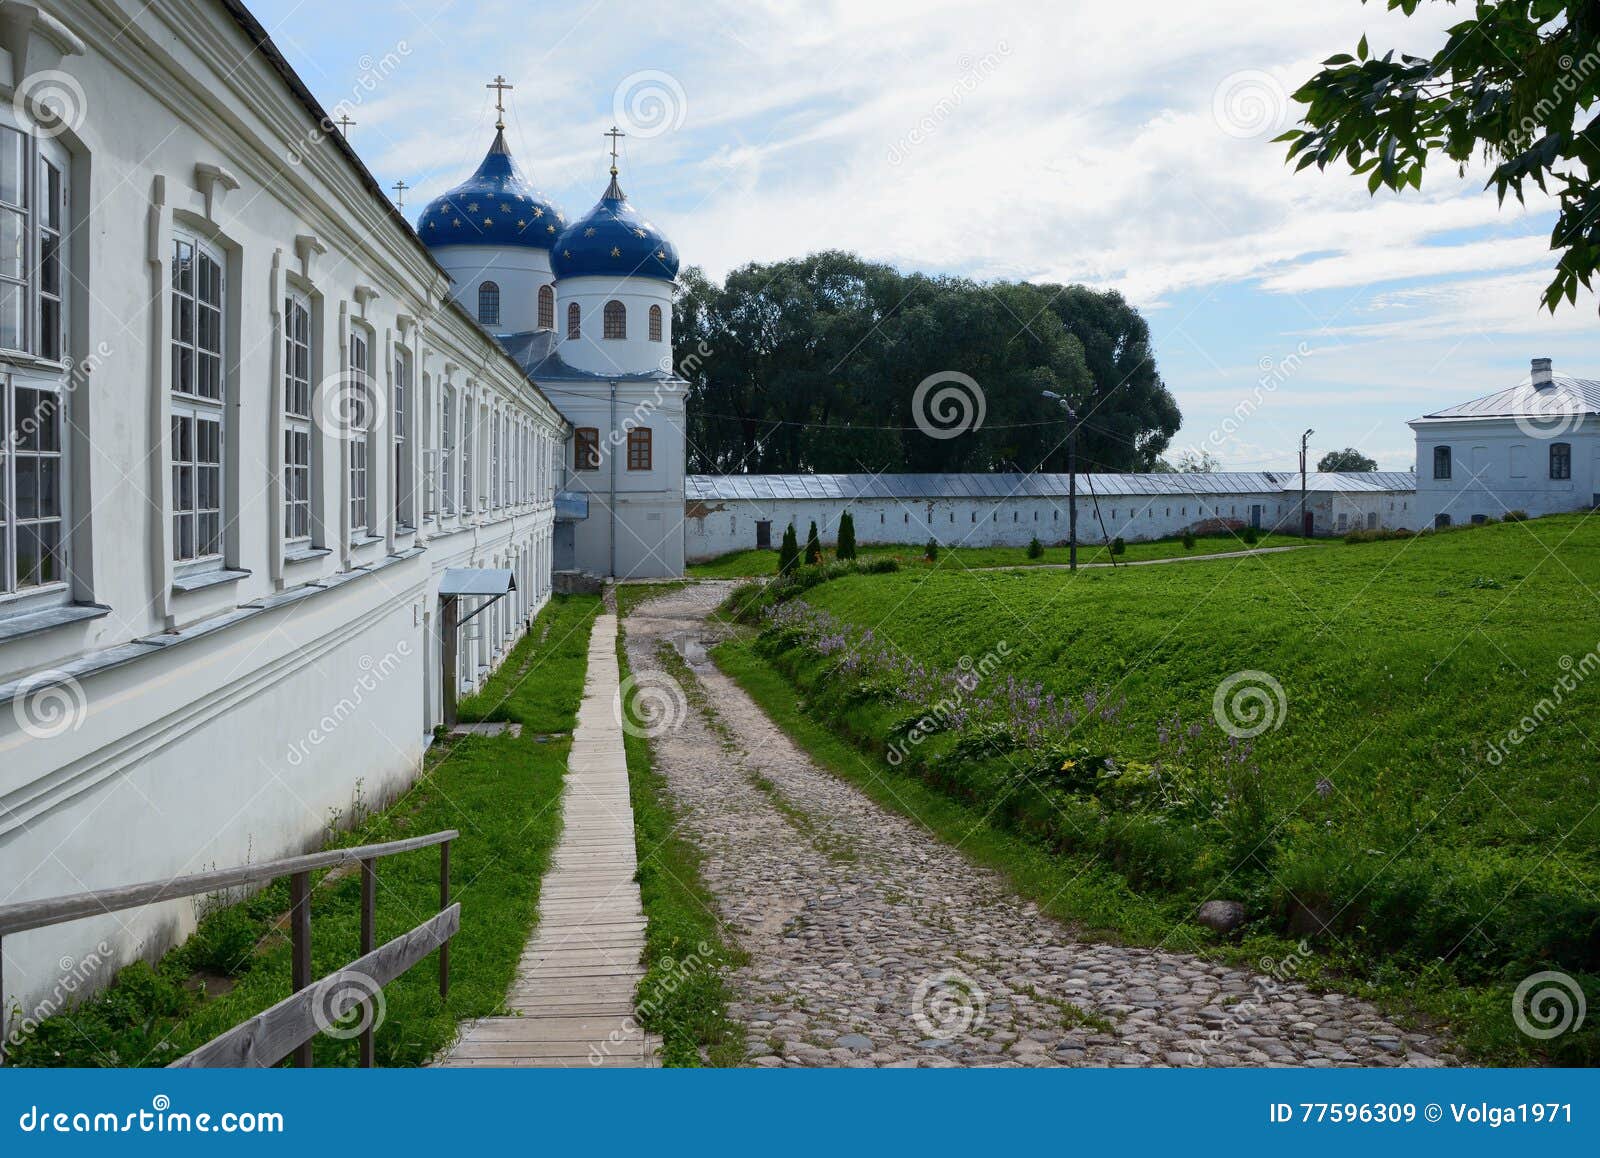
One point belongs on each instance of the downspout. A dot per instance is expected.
(611, 527)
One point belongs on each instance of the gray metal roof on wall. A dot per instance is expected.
(923, 487)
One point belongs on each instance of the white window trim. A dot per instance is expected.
(295, 299)
(358, 436)
(201, 409)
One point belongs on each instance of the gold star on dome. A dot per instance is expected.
(487, 222)
(589, 232)
(472, 208)
(522, 225)
(433, 225)
(549, 228)
(538, 212)
(456, 223)
(567, 253)
(615, 252)
(661, 255)
(638, 233)
(505, 208)
(490, 195)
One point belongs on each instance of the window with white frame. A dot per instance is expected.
(296, 420)
(494, 461)
(358, 430)
(468, 426)
(400, 416)
(447, 450)
(198, 411)
(33, 468)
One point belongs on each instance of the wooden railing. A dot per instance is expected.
(287, 1028)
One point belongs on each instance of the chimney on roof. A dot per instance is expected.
(1541, 374)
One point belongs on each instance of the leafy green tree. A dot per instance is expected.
(846, 548)
(1347, 459)
(930, 552)
(1510, 83)
(813, 545)
(1189, 462)
(788, 551)
(812, 364)
(1035, 548)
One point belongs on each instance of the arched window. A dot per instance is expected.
(1441, 462)
(1560, 460)
(489, 304)
(547, 308)
(616, 320)
(574, 330)
(655, 323)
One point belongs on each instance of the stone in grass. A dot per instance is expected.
(854, 1041)
(1223, 916)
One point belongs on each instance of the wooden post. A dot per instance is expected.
(448, 660)
(444, 903)
(300, 942)
(369, 915)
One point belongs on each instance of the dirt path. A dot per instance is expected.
(872, 943)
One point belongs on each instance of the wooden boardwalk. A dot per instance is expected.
(572, 1000)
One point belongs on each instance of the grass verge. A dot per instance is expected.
(1096, 901)
(501, 792)
(684, 994)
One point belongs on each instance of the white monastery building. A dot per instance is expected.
(248, 432)
(726, 513)
(1532, 448)
(585, 307)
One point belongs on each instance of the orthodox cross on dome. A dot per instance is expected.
(344, 124)
(400, 188)
(616, 135)
(500, 88)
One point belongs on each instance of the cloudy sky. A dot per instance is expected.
(1123, 145)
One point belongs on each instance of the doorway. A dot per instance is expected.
(763, 534)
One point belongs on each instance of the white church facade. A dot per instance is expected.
(585, 307)
(247, 432)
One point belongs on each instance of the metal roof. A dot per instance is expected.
(476, 581)
(908, 487)
(1564, 396)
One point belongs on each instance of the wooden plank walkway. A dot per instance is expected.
(572, 1000)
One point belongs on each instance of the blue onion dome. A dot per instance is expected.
(612, 240)
(497, 205)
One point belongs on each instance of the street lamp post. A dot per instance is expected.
(1305, 522)
(1072, 478)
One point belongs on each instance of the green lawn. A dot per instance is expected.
(753, 564)
(502, 793)
(1374, 810)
